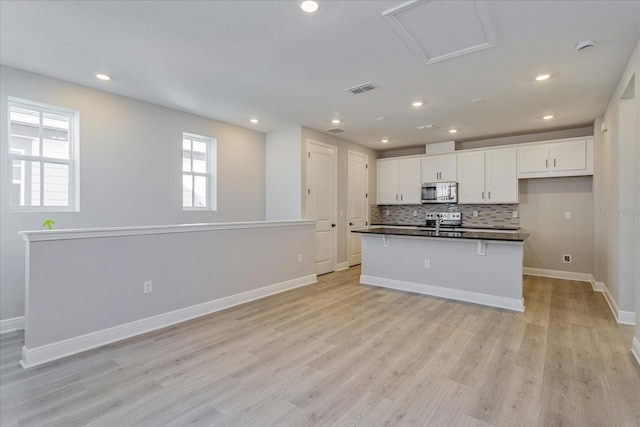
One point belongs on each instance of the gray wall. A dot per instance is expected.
(543, 203)
(501, 140)
(130, 169)
(617, 179)
(283, 171)
(525, 137)
(105, 289)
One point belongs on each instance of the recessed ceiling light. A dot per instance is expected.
(381, 119)
(477, 100)
(542, 77)
(309, 6)
(549, 117)
(453, 130)
(104, 77)
(417, 103)
(335, 121)
(254, 121)
(384, 141)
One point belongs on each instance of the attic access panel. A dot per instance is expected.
(439, 30)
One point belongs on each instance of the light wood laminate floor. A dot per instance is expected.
(338, 353)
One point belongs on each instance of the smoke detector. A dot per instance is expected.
(425, 127)
(584, 45)
(335, 130)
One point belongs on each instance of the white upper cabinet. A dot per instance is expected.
(533, 159)
(569, 156)
(387, 171)
(439, 168)
(501, 179)
(488, 176)
(471, 177)
(562, 158)
(399, 181)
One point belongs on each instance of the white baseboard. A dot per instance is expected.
(10, 325)
(342, 266)
(36, 356)
(635, 349)
(597, 286)
(622, 317)
(456, 294)
(557, 274)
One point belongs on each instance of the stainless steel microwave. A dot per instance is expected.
(440, 192)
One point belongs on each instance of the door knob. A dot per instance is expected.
(350, 223)
(333, 225)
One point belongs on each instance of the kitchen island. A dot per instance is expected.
(479, 267)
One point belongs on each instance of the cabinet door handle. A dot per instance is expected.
(554, 163)
(489, 194)
(483, 195)
(400, 196)
(396, 197)
(546, 163)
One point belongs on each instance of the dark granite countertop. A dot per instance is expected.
(479, 235)
(461, 228)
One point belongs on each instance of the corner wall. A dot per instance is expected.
(617, 223)
(130, 170)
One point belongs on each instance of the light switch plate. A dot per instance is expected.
(567, 215)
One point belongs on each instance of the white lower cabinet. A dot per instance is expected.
(489, 176)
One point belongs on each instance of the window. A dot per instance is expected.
(198, 172)
(43, 156)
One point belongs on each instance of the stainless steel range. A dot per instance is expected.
(444, 219)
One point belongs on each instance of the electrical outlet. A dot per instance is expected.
(475, 213)
(299, 257)
(427, 263)
(386, 212)
(148, 287)
(567, 215)
(514, 214)
(566, 258)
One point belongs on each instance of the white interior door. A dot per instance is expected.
(357, 202)
(322, 202)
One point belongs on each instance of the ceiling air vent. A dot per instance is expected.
(335, 130)
(364, 87)
(425, 127)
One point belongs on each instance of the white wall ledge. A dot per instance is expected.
(92, 233)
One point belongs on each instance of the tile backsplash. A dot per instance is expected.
(488, 215)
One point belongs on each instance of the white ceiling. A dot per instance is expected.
(234, 60)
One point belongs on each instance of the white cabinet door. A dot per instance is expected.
(448, 167)
(409, 182)
(533, 160)
(501, 176)
(439, 168)
(430, 172)
(569, 156)
(387, 182)
(471, 177)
